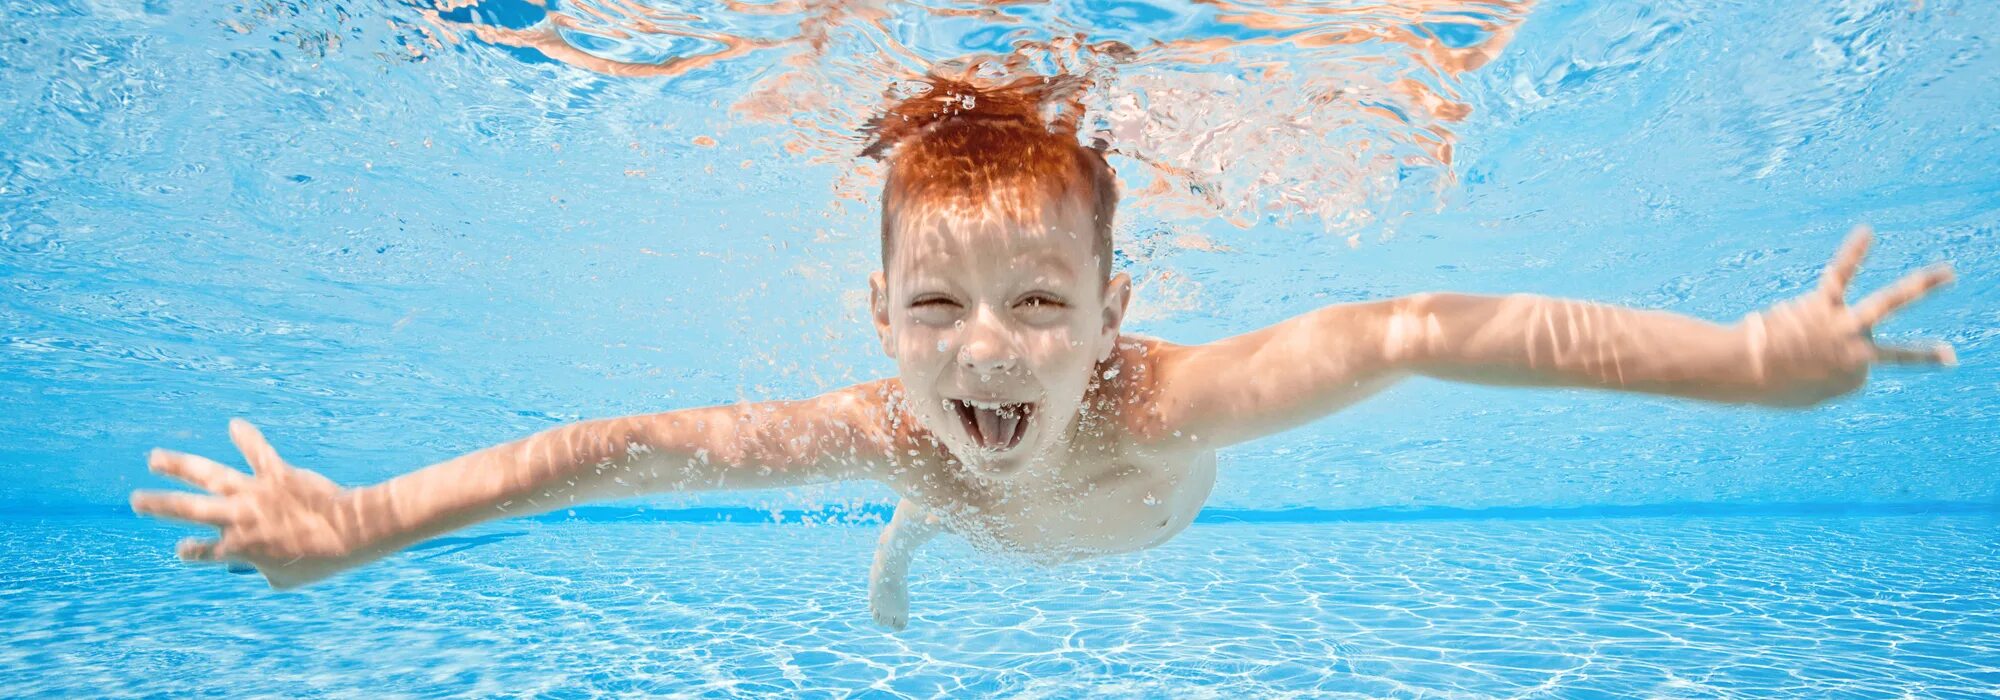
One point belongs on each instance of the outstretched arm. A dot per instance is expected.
(296, 526)
(1798, 353)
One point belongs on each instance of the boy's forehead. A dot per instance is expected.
(948, 236)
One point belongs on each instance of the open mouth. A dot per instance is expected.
(994, 426)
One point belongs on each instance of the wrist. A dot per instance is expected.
(1775, 379)
(361, 521)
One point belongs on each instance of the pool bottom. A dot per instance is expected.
(1658, 607)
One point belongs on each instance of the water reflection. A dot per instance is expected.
(1254, 111)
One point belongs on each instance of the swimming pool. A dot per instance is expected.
(393, 233)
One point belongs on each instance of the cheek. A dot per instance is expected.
(1058, 350)
(920, 350)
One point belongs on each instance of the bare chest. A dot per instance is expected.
(1121, 505)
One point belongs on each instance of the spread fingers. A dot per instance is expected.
(1840, 273)
(1908, 289)
(200, 472)
(1940, 354)
(263, 459)
(206, 510)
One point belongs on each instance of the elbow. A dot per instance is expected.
(1412, 335)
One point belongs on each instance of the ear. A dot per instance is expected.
(1117, 296)
(878, 308)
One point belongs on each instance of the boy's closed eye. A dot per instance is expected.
(1037, 300)
(934, 309)
(1038, 307)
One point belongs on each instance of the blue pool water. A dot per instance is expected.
(393, 232)
(1873, 605)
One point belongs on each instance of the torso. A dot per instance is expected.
(1125, 507)
(1112, 493)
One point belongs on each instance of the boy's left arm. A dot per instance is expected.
(1798, 353)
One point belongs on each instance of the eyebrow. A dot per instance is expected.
(1052, 260)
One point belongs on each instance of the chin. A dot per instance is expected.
(991, 466)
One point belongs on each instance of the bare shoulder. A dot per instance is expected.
(883, 429)
(1132, 391)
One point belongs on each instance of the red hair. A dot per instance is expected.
(959, 143)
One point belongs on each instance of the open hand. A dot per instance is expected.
(292, 524)
(1816, 347)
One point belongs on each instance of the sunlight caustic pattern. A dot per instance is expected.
(1264, 111)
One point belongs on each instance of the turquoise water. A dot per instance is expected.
(1639, 607)
(1675, 607)
(392, 233)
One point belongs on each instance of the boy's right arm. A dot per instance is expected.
(298, 527)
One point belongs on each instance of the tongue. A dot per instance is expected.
(1008, 427)
(989, 427)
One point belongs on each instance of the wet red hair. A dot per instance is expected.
(960, 142)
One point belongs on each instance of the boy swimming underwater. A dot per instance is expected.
(1021, 417)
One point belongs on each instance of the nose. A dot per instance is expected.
(987, 347)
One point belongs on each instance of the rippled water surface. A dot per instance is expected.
(389, 240)
(394, 232)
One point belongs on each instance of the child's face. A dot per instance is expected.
(996, 325)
